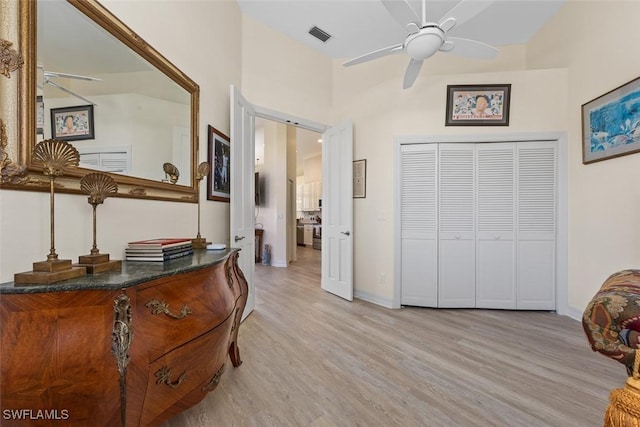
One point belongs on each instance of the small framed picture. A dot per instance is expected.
(72, 123)
(478, 105)
(611, 124)
(39, 115)
(360, 179)
(219, 179)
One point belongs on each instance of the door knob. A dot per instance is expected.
(346, 233)
(237, 238)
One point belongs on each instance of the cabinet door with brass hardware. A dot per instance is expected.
(173, 311)
(57, 357)
(185, 375)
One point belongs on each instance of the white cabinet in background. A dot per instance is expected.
(309, 195)
(308, 235)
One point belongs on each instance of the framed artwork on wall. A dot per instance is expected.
(72, 123)
(478, 105)
(360, 179)
(219, 157)
(611, 124)
(39, 115)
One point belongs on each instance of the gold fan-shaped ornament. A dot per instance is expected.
(203, 170)
(98, 186)
(55, 156)
(171, 170)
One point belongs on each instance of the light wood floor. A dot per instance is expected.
(313, 359)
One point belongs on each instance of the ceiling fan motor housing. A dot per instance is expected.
(425, 42)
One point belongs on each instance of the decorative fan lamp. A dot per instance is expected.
(171, 171)
(98, 186)
(55, 157)
(203, 170)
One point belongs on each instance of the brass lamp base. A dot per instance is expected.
(48, 272)
(98, 263)
(199, 243)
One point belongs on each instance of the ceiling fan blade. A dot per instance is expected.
(471, 48)
(402, 12)
(374, 55)
(462, 12)
(69, 91)
(412, 73)
(70, 76)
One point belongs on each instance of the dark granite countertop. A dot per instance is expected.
(131, 274)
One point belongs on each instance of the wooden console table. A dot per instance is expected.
(131, 348)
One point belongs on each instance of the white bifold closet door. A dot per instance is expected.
(457, 231)
(495, 222)
(419, 224)
(478, 224)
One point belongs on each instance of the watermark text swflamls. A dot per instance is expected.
(35, 414)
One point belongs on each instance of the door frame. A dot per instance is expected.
(562, 292)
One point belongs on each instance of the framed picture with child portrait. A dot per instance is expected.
(72, 123)
(478, 105)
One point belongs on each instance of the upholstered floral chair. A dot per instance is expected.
(612, 318)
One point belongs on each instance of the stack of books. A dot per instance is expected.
(158, 250)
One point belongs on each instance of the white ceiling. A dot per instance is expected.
(361, 26)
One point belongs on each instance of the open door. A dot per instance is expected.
(242, 232)
(337, 210)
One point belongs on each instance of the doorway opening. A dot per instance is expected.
(288, 173)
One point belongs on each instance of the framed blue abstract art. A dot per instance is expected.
(611, 124)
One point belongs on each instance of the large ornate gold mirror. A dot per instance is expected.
(90, 80)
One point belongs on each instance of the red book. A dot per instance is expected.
(159, 243)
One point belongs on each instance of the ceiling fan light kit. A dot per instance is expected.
(427, 38)
(425, 43)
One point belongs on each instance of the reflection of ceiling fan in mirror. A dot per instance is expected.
(426, 38)
(48, 75)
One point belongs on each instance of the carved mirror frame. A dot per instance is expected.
(21, 174)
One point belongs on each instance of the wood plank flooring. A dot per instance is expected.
(313, 359)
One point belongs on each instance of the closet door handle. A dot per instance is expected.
(238, 238)
(346, 233)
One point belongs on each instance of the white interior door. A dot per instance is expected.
(337, 210)
(242, 188)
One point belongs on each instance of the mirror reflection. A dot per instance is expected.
(122, 114)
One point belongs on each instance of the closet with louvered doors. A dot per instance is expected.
(478, 223)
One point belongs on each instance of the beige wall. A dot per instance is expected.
(598, 41)
(197, 36)
(284, 75)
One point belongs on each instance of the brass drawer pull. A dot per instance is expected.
(164, 377)
(161, 307)
(215, 380)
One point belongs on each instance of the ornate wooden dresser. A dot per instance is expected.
(120, 348)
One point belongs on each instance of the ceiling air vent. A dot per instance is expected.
(321, 35)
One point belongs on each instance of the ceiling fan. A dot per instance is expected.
(426, 38)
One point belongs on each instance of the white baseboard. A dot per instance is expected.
(571, 312)
(279, 264)
(374, 299)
